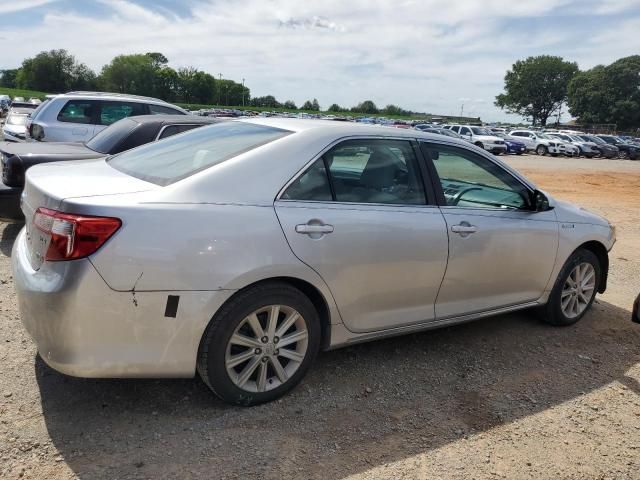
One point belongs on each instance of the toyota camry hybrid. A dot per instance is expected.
(241, 249)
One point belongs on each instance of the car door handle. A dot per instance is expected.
(464, 229)
(307, 229)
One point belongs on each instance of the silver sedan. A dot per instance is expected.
(240, 250)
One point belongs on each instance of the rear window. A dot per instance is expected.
(109, 138)
(181, 156)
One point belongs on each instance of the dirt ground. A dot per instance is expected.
(505, 397)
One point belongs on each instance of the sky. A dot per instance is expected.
(424, 55)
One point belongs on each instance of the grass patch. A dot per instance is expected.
(27, 94)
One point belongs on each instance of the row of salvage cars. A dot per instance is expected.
(238, 250)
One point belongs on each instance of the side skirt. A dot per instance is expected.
(341, 337)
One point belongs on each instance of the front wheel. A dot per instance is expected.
(574, 290)
(541, 150)
(260, 344)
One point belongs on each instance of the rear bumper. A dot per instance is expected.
(496, 148)
(10, 203)
(85, 329)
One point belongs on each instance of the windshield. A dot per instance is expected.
(109, 138)
(598, 140)
(180, 156)
(17, 119)
(481, 131)
(576, 139)
(544, 136)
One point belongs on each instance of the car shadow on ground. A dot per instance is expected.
(8, 237)
(360, 407)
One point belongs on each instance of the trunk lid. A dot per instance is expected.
(50, 184)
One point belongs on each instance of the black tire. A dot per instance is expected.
(479, 144)
(211, 354)
(552, 313)
(541, 150)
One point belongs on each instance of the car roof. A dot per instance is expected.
(337, 128)
(174, 119)
(111, 96)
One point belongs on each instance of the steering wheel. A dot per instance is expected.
(458, 196)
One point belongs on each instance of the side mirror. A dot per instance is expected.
(539, 202)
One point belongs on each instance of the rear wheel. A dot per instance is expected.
(574, 290)
(479, 144)
(541, 150)
(260, 344)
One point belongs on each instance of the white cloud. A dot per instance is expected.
(11, 6)
(424, 55)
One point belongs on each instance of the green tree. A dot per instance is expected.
(395, 110)
(8, 78)
(366, 107)
(312, 105)
(290, 104)
(54, 71)
(608, 94)
(158, 59)
(134, 74)
(267, 101)
(335, 108)
(536, 87)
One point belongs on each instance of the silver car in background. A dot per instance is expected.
(241, 249)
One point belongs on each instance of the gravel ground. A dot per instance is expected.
(505, 397)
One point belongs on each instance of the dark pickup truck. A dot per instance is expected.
(131, 132)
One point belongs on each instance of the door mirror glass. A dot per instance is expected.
(539, 201)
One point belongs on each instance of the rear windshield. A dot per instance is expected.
(106, 140)
(182, 155)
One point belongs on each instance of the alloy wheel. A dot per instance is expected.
(266, 348)
(578, 290)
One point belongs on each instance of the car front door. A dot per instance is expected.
(359, 216)
(501, 252)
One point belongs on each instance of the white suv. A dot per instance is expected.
(539, 142)
(78, 116)
(481, 137)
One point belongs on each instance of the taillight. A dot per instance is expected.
(73, 236)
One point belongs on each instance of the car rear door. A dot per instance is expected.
(360, 217)
(501, 253)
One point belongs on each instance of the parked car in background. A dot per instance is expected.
(481, 137)
(570, 150)
(587, 149)
(4, 105)
(514, 145)
(15, 126)
(35, 101)
(18, 99)
(123, 135)
(239, 250)
(78, 116)
(26, 105)
(625, 149)
(606, 150)
(423, 126)
(538, 142)
(446, 132)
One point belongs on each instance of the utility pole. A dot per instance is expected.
(461, 110)
(243, 92)
(219, 88)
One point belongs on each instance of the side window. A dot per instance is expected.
(175, 129)
(77, 111)
(471, 181)
(455, 129)
(363, 171)
(375, 171)
(111, 112)
(465, 131)
(162, 110)
(313, 185)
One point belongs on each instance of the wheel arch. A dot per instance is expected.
(600, 251)
(312, 292)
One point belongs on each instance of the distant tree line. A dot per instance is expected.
(57, 71)
(537, 88)
(149, 74)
